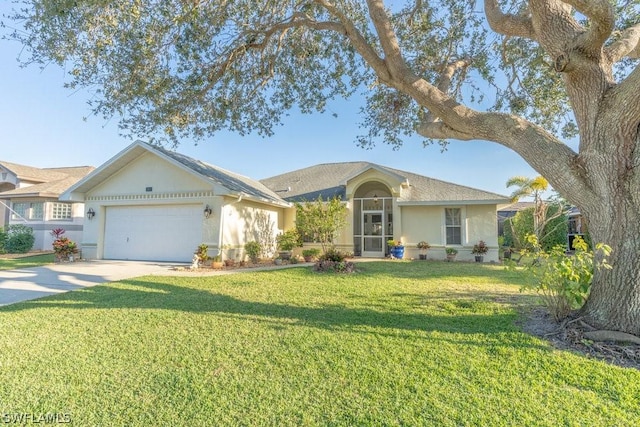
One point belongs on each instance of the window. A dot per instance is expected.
(37, 211)
(453, 225)
(61, 211)
(28, 210)
(19, 211)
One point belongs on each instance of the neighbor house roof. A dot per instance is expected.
(51, 182)
(516, 207)
(330, 179)
(33, 174)
(235, 183)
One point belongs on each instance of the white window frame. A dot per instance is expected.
(20, 210)
(447, 226)
(61, 211)
(29, 212)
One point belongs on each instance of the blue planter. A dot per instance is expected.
(397, 251)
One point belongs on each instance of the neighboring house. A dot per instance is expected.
(29, 196)
(155, 204)
(510, 211)
(576, 226)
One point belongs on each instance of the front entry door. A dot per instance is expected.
(372, 234)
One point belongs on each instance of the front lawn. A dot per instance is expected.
(400, 343)
(7, 263)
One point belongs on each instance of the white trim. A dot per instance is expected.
(151, 196)
(450, 203)
(378, 168)
(463, 226)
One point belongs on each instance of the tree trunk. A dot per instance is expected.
(614, 302)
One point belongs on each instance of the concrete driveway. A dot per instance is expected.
(30, 283)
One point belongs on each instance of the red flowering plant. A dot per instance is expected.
(62, 246)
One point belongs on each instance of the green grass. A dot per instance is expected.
(400, 343)
(26, 261)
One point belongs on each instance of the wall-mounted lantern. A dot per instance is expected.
(90, 214)
(207, 211)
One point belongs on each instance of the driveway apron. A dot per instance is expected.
(36, 282)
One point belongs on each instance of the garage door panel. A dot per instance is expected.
(153, 233)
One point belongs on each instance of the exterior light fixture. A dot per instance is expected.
(207, 211)
(90, 214)
(375, 198)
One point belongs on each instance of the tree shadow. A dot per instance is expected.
(140, 294)
(434, 269)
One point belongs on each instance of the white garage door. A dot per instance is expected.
(153, 233)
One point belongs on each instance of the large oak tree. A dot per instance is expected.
(523, 74)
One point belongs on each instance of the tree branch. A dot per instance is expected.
(623, 101)
(439, 130)
(387, 36)
(429, 126)
(628, 45)
(508, 24)
(601, 15)
(358, 41)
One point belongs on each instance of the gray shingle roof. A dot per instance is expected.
(329, 180)
(232, 181)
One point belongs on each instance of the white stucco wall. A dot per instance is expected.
(428, 223)
(149, 170)
(170, 185)
(246, 221)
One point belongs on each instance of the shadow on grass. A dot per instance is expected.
(433, 269)
(26, 261)
(138, 294)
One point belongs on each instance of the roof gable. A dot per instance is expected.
(211, 175)
(330, 180)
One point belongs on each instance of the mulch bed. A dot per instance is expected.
(568, 335)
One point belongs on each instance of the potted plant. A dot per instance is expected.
(423, 246)
(396, 248)
(216, 262)
(479, 249)
(310, 254)
(287, 241)
(451, 253)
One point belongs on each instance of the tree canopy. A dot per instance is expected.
(188, 68)
(524, 74)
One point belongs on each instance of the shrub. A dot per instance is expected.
(63, 247)
(20, 239)
(310, 254)
(3, 240)
(333, 255)
(562, 281)
(289, 240)
(253, 250)
(335, 266)
(519, 226)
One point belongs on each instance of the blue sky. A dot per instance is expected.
(44, 125)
